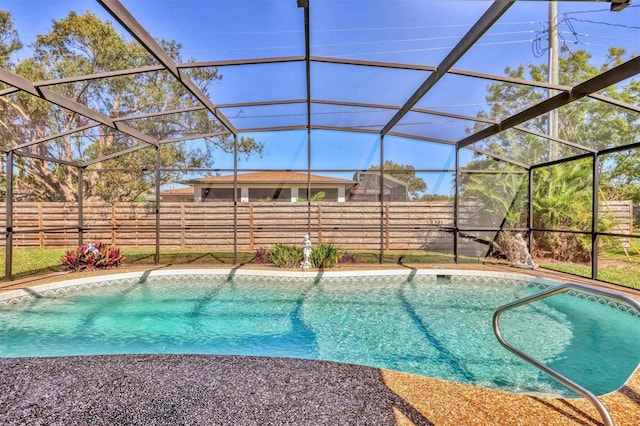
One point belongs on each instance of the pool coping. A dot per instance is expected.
(63, 285)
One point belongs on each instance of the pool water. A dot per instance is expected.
(439, 329)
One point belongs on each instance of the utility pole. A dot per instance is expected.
(552, 122)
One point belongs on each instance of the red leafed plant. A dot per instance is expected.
(94, 255)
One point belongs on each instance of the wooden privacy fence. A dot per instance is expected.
(215, 225)
(212, 225)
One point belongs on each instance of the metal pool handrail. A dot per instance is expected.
(562, 288)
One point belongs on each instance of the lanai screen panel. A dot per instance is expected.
(344, 150)
(362, 118)
(480, 98)
(520, 36)
(492, 194)
(436, 126)
(599, 125)
(619, 211)
(135, 93)
(420, 154)
(255, 117)
(34, 17)
(237, 30)
(283, 81)
(402, 32)
(278, 150)
(179, 124)
(527, 148)
(363, 84)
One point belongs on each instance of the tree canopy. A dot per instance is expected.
(83, 45)
(406, 173)
(595, 125)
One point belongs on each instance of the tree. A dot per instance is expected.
(562, 194)
(592, 124)
(9, 40)
(494, 199)
(563, 200)
(80, 45)
(406, 173)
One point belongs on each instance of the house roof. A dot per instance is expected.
(270, 177)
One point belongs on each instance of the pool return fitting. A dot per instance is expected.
(562, 288)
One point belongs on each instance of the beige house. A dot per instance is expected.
(262, 186)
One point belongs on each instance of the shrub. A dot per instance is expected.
(286, 256)
(262, 256)
(91, 256)
(324, 256)
(348, 257)
(290, 256)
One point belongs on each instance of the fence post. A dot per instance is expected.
(113, 225)
(40, 226)
(183, 224)
(319, 210)
(251, 236)
(386, 226)
(80, 206)
(8, 242)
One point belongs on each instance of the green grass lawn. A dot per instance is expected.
(33, 261)
(27, 262)
(628, 276)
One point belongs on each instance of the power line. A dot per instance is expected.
(351, 55)
(609, 24)
(576, 12)
(410, 40)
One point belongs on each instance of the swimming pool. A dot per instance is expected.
(432, 323)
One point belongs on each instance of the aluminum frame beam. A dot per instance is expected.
(495, 11)
(233, 62)
(126, 19)
(28, 86)
(114, 155)
(101, 75)
(45, 158)
(601, 81)
(57, 135)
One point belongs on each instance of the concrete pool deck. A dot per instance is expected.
(199, 390)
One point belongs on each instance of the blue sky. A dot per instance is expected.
(404, 31)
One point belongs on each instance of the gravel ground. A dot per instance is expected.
(193, 390)
(234, 390)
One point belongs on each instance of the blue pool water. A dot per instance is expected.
(438, 329)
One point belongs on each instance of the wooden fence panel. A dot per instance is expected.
(135, 225)
(207, 225)
(620, 214)
(276, 222)
(350, 225)
(26, 222)
(415, 225)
